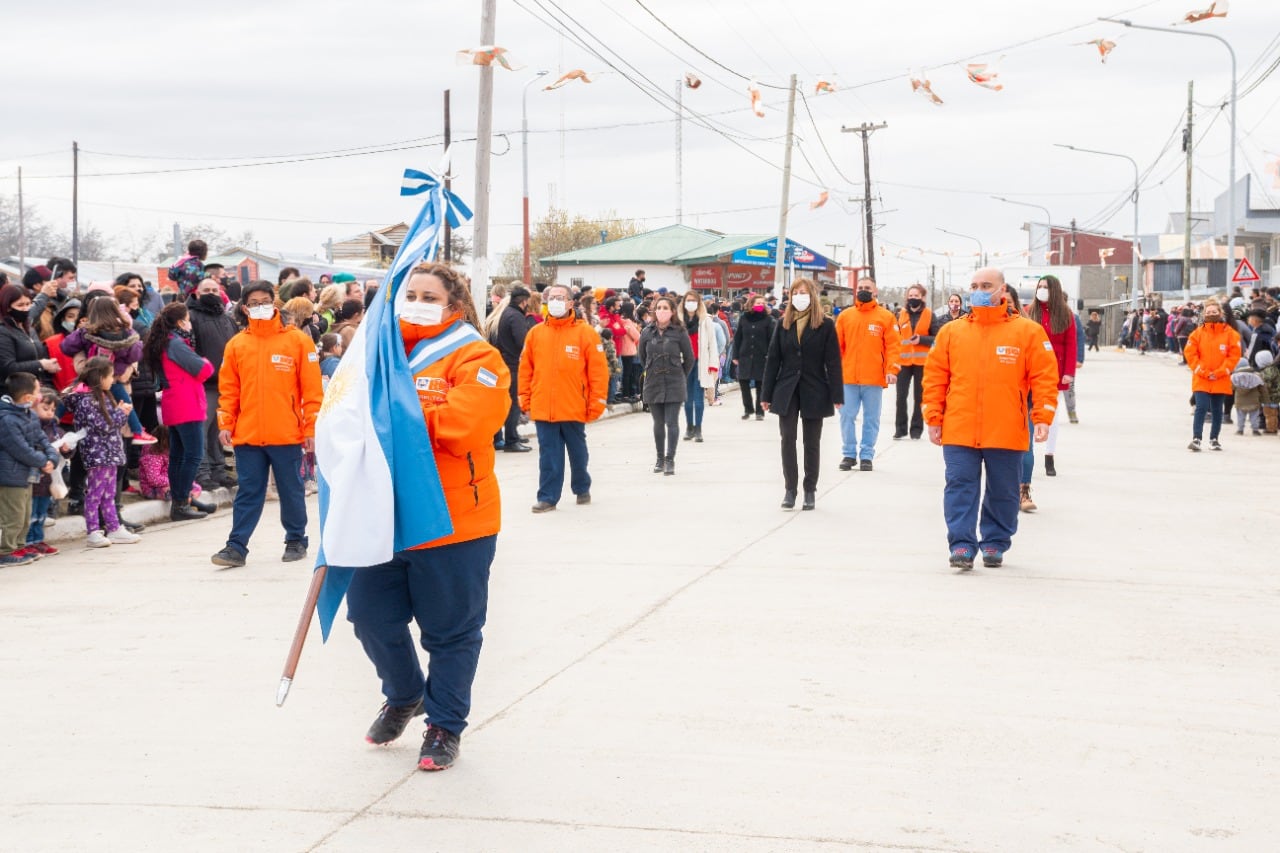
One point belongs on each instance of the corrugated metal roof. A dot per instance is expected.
(650, 248)
(726, 244)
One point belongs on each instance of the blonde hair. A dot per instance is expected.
(300, 308)
(683, 314)
(331, 297)
(816, 312)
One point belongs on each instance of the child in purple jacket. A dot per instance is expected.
(102, 450)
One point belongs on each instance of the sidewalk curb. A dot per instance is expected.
(70, 528)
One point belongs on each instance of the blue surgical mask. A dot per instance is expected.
(980, 299)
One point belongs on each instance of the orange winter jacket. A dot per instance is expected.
(978, 375)
(269, 387)
(465, 396)
(1212, 352)
(869, 344)
(563, 372)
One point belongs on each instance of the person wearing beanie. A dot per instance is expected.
(343, 278)
(33, 278)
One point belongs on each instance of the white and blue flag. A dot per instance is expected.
(379, 489)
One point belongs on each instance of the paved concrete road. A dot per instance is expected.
(683, 666)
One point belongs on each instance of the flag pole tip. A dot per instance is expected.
(282, 692)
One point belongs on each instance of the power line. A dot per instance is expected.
(700, 51)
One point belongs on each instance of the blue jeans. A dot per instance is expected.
(554, 439)
(121, 395)
(252, 466)
(39, 515)
(1208, 404)
(695, 400)
(446, 591)
(186, 449)
(868, 399)
(999, 500)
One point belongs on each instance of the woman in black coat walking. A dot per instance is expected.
(802, 384)
(666, 356)
(751, 346)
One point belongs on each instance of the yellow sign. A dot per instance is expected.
(757, 253)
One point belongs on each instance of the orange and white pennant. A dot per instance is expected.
(1103, 254)
(985, 74)
(820, 200)
(824, 86)
(921, 86)
(1215, 10)
(1104, 46)
(691, 80)
(487, 55)
(757, 101)
(1273, 169)
(575, 74)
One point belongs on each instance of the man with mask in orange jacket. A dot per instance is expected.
(976, 381)
(269, 394)
(563, 385)
(869, 347)
(1212, 352)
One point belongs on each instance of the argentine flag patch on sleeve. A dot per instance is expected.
(487, 377)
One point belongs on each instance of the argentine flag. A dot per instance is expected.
(379, 489)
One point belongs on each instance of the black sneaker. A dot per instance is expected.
(847, 463)
(293, 551)
(207, 507)
(391, 722)
(584, 498)
(865, 465)
(1214, 444)
(228, 558)
(184, 512)
(131, 527)
(439, 749)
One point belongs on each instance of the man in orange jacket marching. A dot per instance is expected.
(563, 385)
(269, 396)
(869, 345)
(976, 381)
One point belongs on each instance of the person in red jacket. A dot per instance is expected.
(977, 380)
(1212, 352)
(563, 383)
(1050, 309)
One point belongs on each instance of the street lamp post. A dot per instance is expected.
(1135, 286)
(982, 254)
(524, 145)
(1231, 190)
(1048, 241)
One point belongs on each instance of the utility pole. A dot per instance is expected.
(1187, 145)
(1073, 241)
(177, 240)
(448, 183)
(780, 256)
(75, 202)
(679, 152)
(484, 147)
(835, 250)
(22, 229)
(328, 250)
(859, 201)
(865, 130)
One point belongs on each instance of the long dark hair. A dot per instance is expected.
(165, 324)
(1059, 310)
(9, 294)
(94, 371)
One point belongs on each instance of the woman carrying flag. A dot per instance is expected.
(462, 386)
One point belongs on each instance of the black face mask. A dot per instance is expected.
(19, 317)
(915, 304)
(865, 296)
(210, 301)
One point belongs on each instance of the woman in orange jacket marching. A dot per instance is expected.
(443, 585)
(1212, 352)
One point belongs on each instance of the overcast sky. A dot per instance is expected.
(145, 85)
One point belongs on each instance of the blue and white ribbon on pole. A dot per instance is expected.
(379, 489)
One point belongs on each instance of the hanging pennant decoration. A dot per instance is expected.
(1048, 256)
(921, 86)
(985, 74)
(824, 86)
(1215, 10)
(1104, 46)
(575, 74)
(757, 101)
(691, 80)
(487, 55)
(1103, 254)
(820, 201)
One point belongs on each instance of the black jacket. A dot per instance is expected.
(751, 343)
(513, 325)
(212, 330)
(803, 371)
(666, 357)
(635, 288)
(21, 352)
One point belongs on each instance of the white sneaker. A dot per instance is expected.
(120, 536)
(98, 539)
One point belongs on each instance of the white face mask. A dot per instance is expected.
(800, 301)
(422, 313)
(1042, 294)
(557, 307)
(691, 307)
(262, 312)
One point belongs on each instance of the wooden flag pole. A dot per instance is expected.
(300, 634)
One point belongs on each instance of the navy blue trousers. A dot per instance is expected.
(999, 501)
(554, 439)
(253, 463)
(446, 591)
